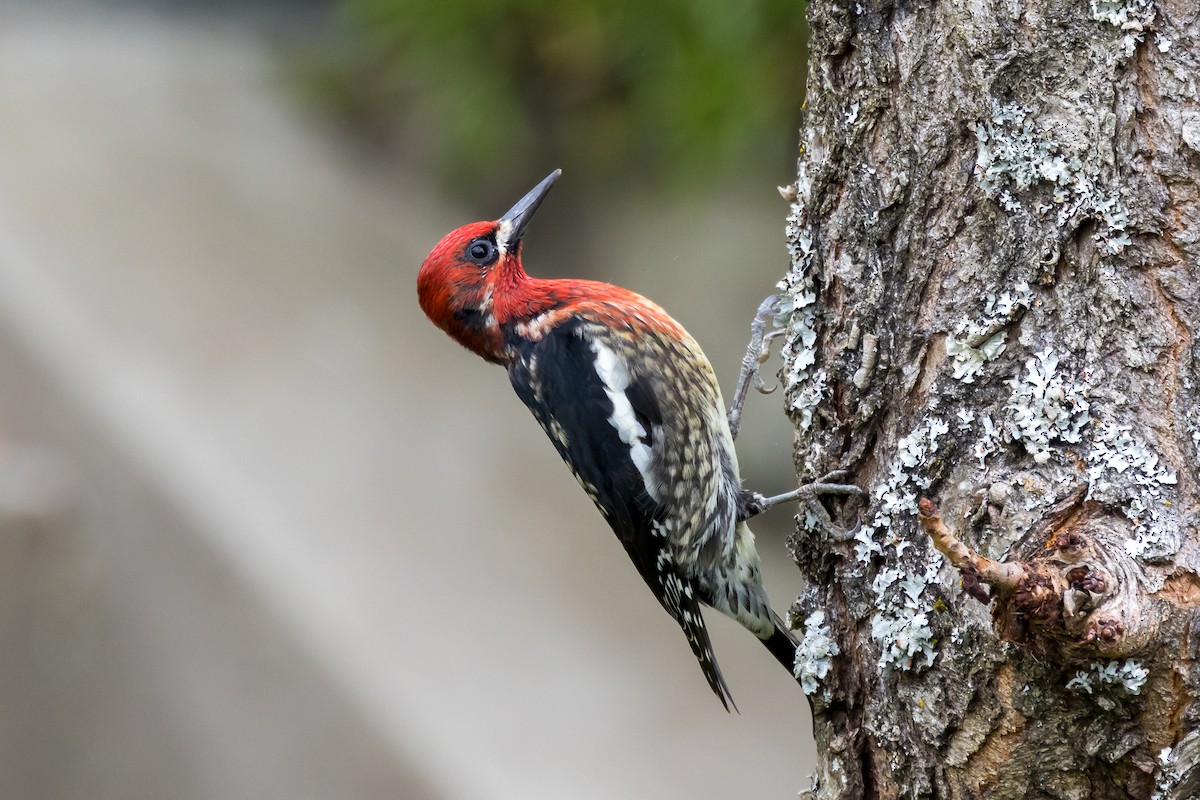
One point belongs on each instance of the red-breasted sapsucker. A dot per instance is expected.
(632, 406)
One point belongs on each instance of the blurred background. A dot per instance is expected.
(264, 531)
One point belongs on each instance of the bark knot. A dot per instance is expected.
(1074, 594)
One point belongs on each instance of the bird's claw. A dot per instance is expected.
(836, 476)
(751, 504)
(757, 353)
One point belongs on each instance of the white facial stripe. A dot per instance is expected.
(503, 231)
(615, 377)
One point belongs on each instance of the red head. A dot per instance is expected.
(471, 267)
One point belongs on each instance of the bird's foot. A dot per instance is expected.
(751, 504)
(758, 351)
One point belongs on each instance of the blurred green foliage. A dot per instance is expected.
(494, 91)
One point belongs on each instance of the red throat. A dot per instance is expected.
(459, 296)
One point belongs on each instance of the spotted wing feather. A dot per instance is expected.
(603, 422)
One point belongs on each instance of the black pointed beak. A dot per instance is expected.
(513, 223)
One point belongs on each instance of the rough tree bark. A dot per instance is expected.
(993, 304)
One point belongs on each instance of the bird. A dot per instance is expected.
(633, 407)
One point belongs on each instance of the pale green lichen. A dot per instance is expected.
(1015, 152)
(900, 625)
(989, 440)
(804, 388)
(897, 497)
(905, 639)
(1011, 154)
(1124, 469)
(1044, 408)
(1128, 15)
(1169, 775)
(1133, 18)
(1115, 447)
(814, 656)
(1128, 675)
(968, 360)
(969, 354)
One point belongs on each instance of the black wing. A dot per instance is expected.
(557, 378)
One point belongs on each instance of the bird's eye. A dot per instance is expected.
(482, 251)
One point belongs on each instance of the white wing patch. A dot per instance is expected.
(615, 377)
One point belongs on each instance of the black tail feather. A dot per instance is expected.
(697, 637)
(712, 673)
(782, 644)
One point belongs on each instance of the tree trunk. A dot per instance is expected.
(992, 303)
